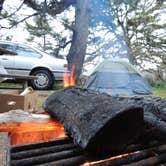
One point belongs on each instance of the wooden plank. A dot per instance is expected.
(23, 77)
(4, 149)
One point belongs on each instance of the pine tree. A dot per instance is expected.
(41, 30)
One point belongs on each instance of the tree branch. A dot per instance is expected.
(1, 5)
(22, 20)
(55, 7)
(14, 11)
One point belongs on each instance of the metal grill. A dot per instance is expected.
(64, 152)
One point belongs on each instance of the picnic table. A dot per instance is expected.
(21, 78)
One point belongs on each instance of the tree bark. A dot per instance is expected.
(79, 41)
(77, 50)
(97, 122)
(1, 5)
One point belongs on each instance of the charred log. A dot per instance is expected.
(156, 160)
(46, 158)
(32, 146)
(143, 157)
(154, 115)
(74, 161)
(41, 151)
(96, 122)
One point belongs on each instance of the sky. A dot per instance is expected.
(20, 34)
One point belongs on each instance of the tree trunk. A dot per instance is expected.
(1, 5)
(79, 42)
(96, 122)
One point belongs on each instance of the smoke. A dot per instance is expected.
(106, 35)
(100, 13)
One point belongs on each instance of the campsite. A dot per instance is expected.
(82, 82)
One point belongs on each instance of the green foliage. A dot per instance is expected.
(159, 84)
(4, 14)
(41, 29)
(159, 88)
(159, 91)
(58, 85)
(50, 41)
(143, 29)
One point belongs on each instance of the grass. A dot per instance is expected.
(158, 91)
(58, 85)
(11, 85)
(159, 88)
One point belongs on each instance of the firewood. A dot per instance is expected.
(154, 115)
(46, 158)
(97, 122)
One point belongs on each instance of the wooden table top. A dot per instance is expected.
(18, 76)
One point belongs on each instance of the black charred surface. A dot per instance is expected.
(96, 122)
(154, 115)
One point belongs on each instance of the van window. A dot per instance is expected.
(27, 52)
(8, 47)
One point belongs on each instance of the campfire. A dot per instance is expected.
(59, 149)
(64, 152)
(87, 128)
(28, 132)
(68, 79)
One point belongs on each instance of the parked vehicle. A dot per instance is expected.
(27, 60)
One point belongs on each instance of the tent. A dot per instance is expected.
(117, 78)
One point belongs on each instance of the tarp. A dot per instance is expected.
(117, 78)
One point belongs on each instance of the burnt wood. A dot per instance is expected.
(38, 145)
(141, 146)
(154, 115)
(46, 158)
(42, 151)
(137, 157)
(156, 160)
(134, 153)
(97, 122)
(74, 161)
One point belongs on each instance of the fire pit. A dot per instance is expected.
(146, 149)
(28, 132)
(63, 152)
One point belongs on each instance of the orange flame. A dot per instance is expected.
(108, 159)
(26, 132)
(68, 79)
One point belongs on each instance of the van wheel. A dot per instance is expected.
(44, 81)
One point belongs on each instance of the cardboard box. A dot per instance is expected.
(11, 100)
